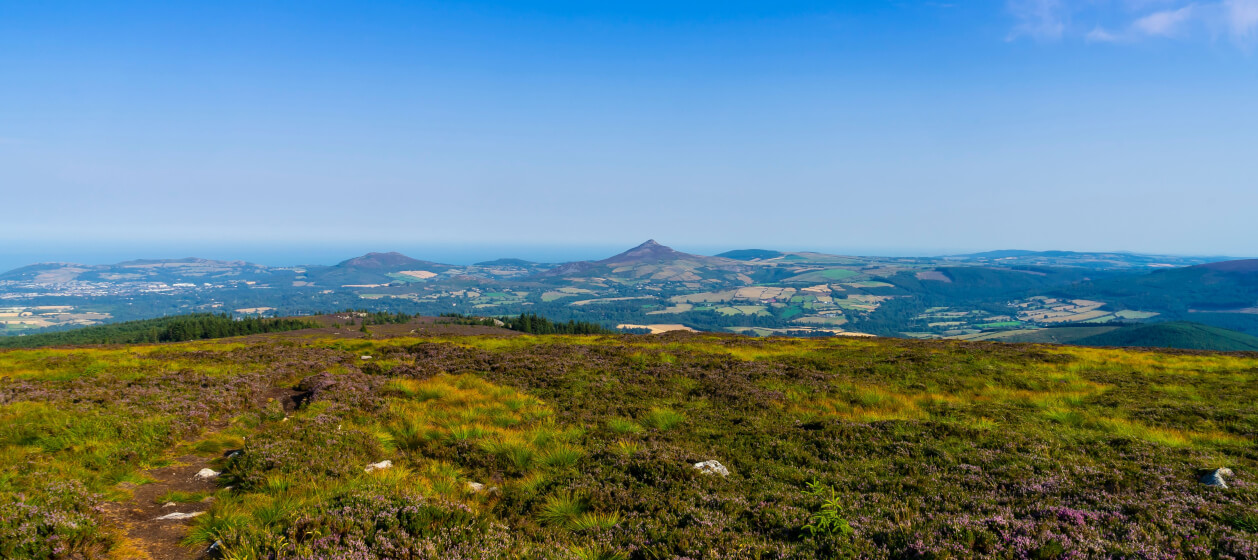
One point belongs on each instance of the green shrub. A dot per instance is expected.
(828, 520)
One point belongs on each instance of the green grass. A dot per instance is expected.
(662, 419)
(839, 273)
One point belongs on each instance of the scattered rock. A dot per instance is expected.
(206, 474)
(215, 548)
(712, 466)
(379, 466)
(169, 504)
(365, 357)
(476, 488)
(179, 516)
(1215, 477)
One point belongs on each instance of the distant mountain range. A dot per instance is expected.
(979, 296)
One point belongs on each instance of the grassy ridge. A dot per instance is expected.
(178, 328)
(1192, 336)
(584, 446)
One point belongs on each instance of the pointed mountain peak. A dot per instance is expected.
(651, 251)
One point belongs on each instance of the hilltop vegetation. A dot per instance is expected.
(1191, 336)
(583, 447)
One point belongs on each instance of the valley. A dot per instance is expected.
(987, 296)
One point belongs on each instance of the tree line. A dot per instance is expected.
(177, 328)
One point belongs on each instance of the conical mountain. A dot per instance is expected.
(649, 252)
(652, 261)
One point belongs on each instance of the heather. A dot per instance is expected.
(583, 447)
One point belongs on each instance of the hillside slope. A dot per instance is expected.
(571, 447)
(1192, 336)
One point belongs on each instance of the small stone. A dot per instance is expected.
(206, 474)
(1215, 477)
(712, 467)
(475, 487)
(365, 357)
(169, 504)
(178, 516)
(379, 466)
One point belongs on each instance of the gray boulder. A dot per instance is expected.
(712, 466)
(1215, 477)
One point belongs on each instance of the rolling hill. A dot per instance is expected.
(1222, 294)
(375, 268)
(189, 269)
(1178, 334)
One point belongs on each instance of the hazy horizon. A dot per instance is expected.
(293, 255)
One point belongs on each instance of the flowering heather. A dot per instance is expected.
(58, 519)
(583, 447)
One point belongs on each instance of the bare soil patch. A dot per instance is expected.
(160, 539)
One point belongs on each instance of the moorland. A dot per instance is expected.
(424, 439)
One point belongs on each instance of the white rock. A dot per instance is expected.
(712, 467)
(177, 516)
(206, 474)
(379, 466)
(475, 487)
(365, 357)
(1215, 477)
(169, 504)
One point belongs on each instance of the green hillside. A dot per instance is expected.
(1191, 336)
(1057, 335)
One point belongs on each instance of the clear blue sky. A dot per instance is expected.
(870, 127)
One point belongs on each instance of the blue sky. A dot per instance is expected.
(865, 127)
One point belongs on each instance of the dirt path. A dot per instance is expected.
(160, 539)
